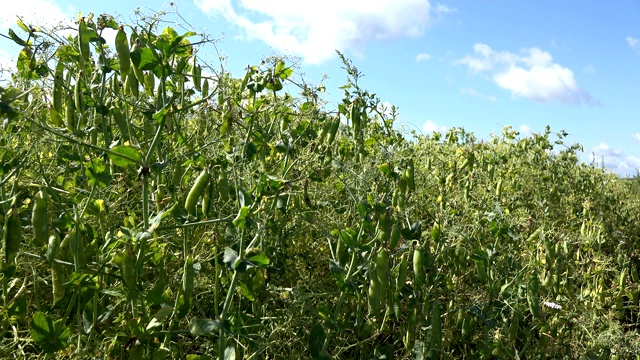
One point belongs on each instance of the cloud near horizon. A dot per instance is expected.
(531, 74)
(314, 30)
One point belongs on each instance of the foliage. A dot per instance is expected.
(193, 214)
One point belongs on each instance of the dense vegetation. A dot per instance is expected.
(156, 207)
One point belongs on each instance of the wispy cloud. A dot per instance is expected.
(422, 57)
(633, 42)
(444, 9)
(431, 126)
(36, 12)
(315, 29)
(525, 130)
(615, 159)
(531, 74)
(636, 136)
(472, 92)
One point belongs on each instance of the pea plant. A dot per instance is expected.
(155, 206)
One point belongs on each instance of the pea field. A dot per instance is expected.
(156, 207)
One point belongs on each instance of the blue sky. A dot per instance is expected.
(481, 65)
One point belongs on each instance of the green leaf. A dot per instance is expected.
(16, 38)
(241, 220)
(348, 236)
(230, 352)
(143, 59)
(316, 342)
(204, 327)
(260, 259)
(124, 155)
(49, 336)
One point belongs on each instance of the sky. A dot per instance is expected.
(481, 65)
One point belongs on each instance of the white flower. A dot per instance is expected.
(552, 305)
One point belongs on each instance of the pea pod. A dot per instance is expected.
(333, 130)
(12, 236)
(394, 239)
(149, 83)
(39, 219)
(382, 272)
(374, 298)
(121, 121)
(132, 85)
(83, 39)
(78, 93)
(129, 269)
(57, 87)
(223, 186)
(196, 74)
(499, 188)
(436, 326)
(205, 88)
(384, 227)
(57, 282)
(124, 55)
(355, 118)
(196, 190)
(410, 171)
(188, 278)
(207, 199)
(326, 128)
(418, 269)
(532, 295)
(403, 268)
(53, 247)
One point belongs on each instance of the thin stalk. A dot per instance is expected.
(227, 302)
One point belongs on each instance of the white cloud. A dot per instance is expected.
(472, 92)
(531, 74)
(422, 57)
(633, 42)
(525, 130)
(430, 126)
(636, 136)
(315, 29)
(444, 9)
(615, 160)
(35, 12)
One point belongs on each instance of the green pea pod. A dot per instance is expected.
(196, 190)
(374, 298)
(12, 236)
(57, 87)
(403, 268)
(116, 85)
(132, 85)
(83, 39)
(333, 130)
(223, 186)
(355, 118)
(205, 88)
(129, 269)
(53, 247)
(57, 282)
(394, 239)
(149, 83)
(532, 295)
(326, 128)
(382, 272)
(196, 74)
(418, 269)
(188, 278)
(78, 93)
(124, 55)
(39, 219)
(411, 182)
(207, 200)
(121, 121)
(436, 325)
(384, 227)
